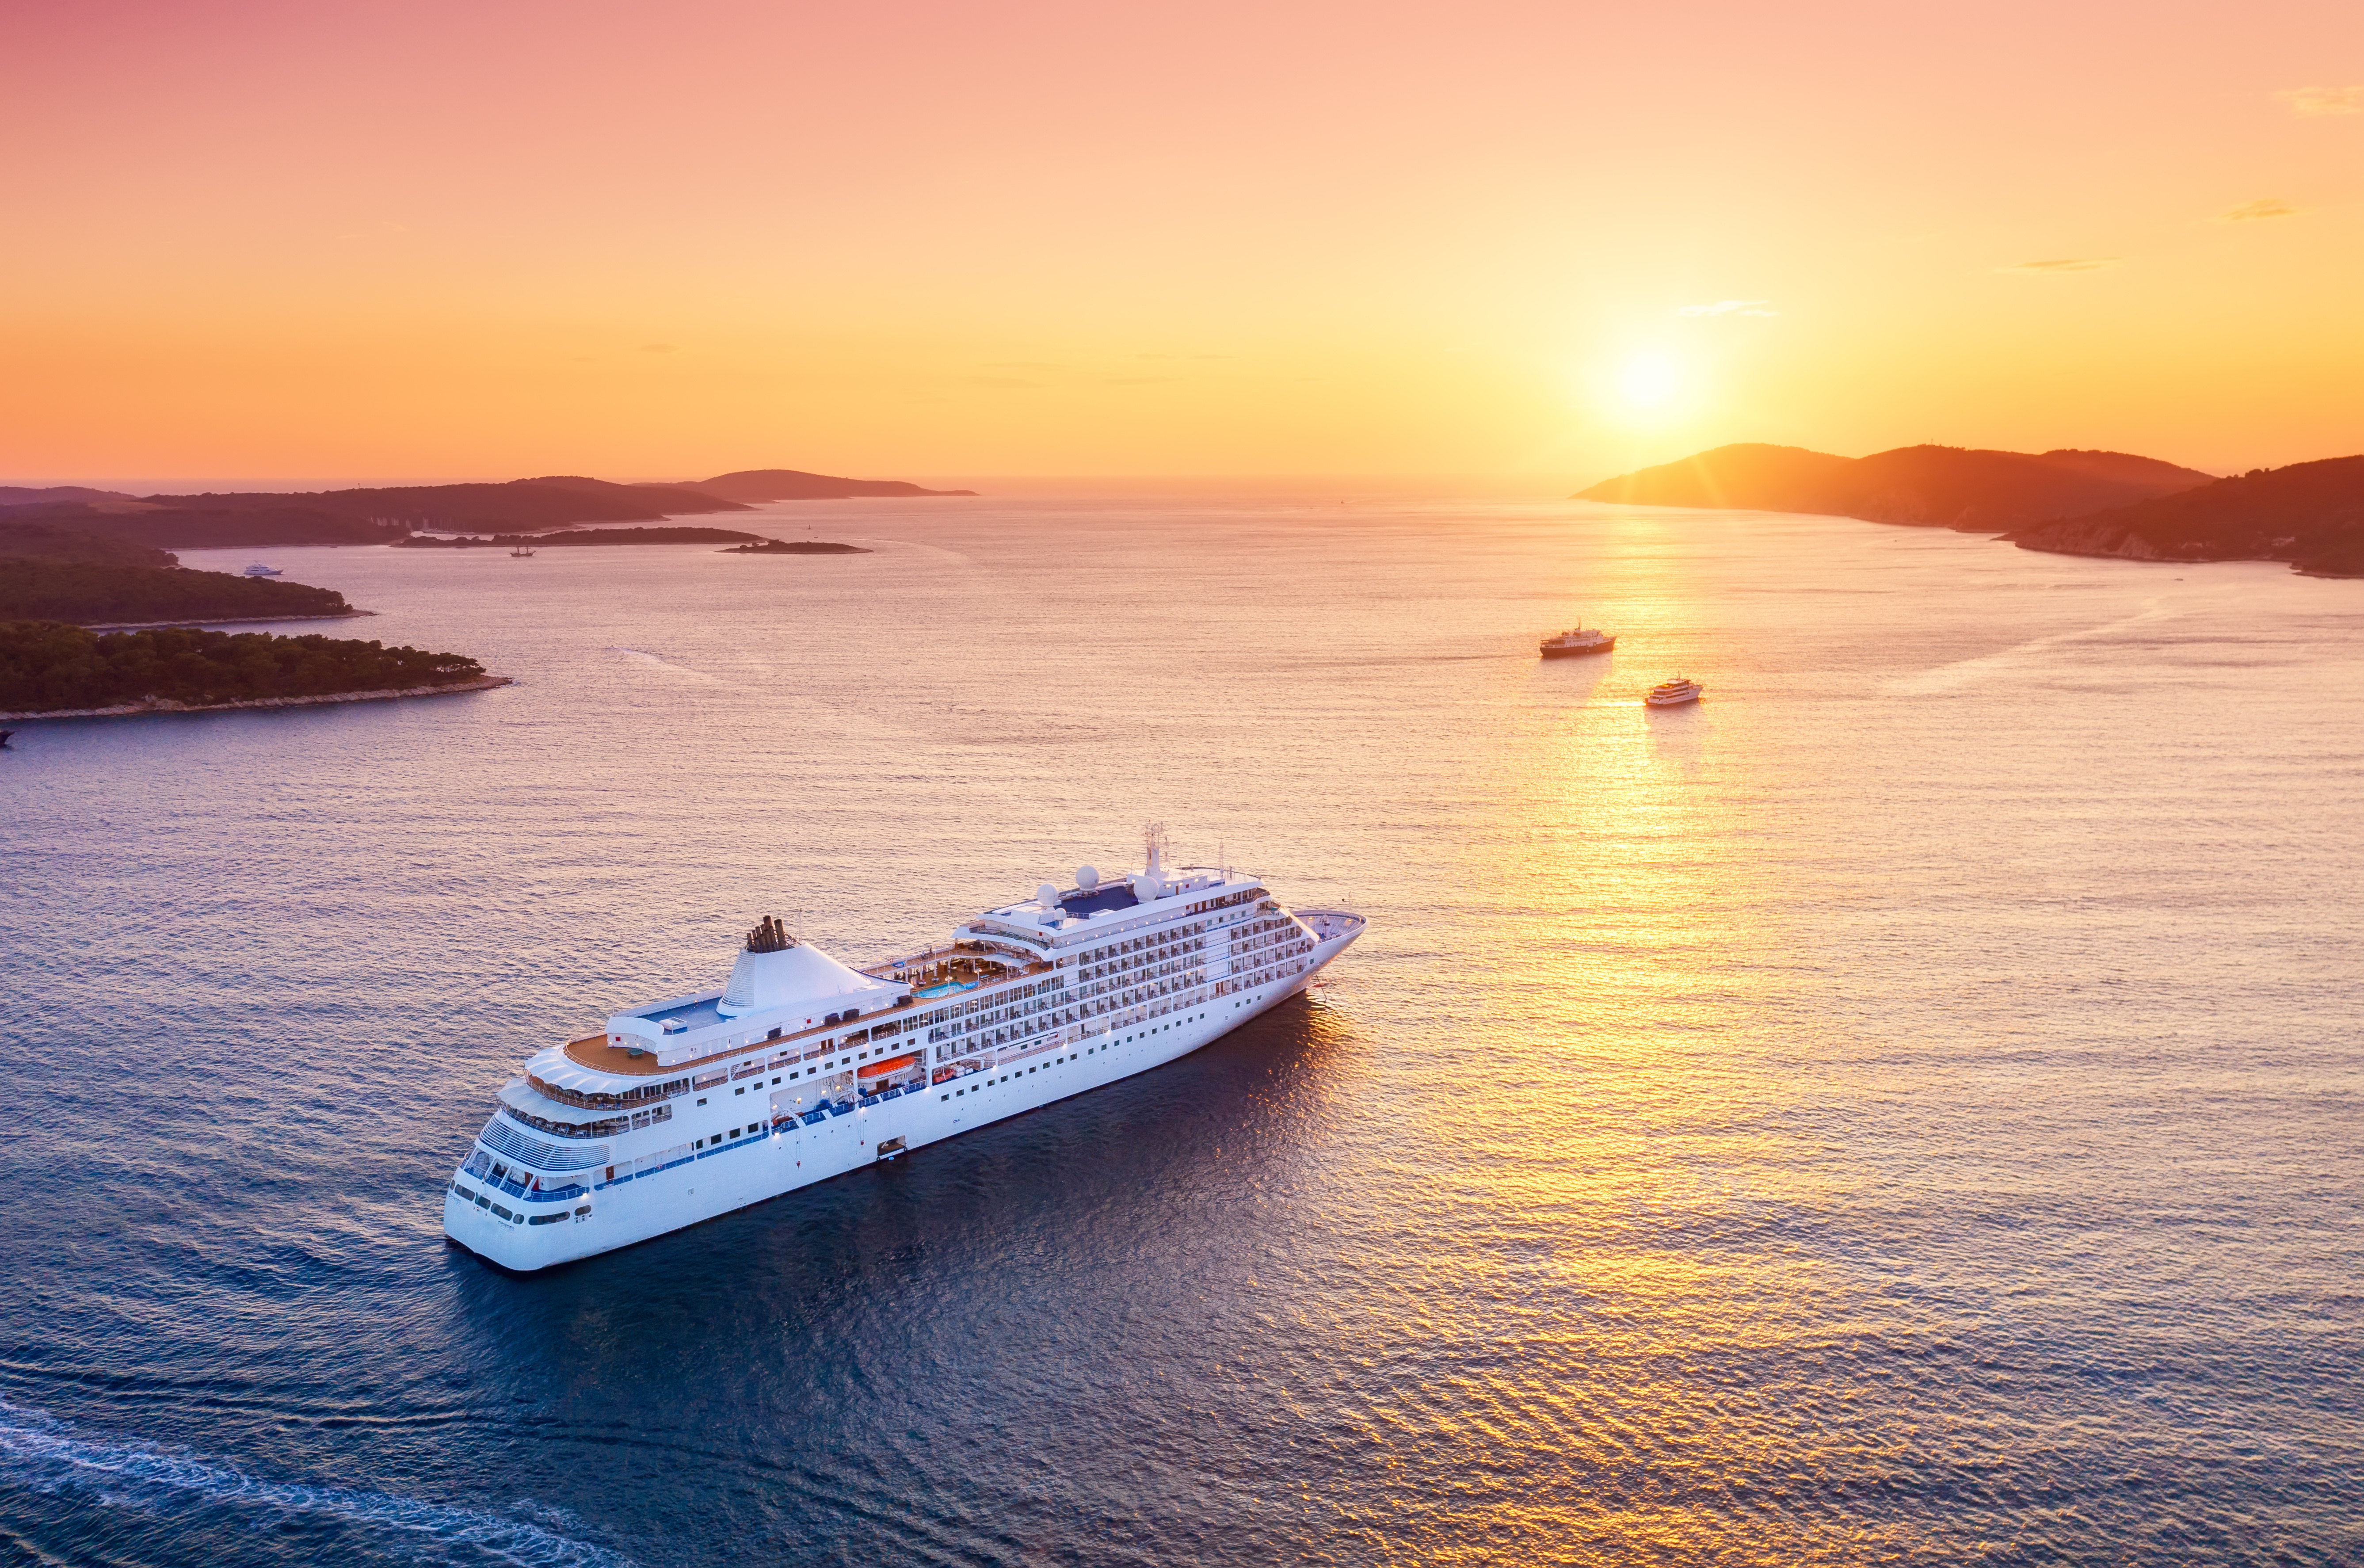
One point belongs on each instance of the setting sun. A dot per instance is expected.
(1648, 381)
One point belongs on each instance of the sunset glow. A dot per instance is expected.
(439, 240)
(1649, 380)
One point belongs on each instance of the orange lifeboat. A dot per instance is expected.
(879, 1068)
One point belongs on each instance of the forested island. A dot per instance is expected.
(48, 669)
(51, 574)
(2073, 503)
(385, 514)
(795, 547)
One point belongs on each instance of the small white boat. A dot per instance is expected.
(260, 570)
(1568, 644)
(1674, 692)
(522, 552)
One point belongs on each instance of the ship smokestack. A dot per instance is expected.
(770, 936)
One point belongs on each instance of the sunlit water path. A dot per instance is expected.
(1903, 1109)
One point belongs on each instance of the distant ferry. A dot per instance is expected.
(1568, 644)
(800, 1069)
(1674, 692)
(260, 570)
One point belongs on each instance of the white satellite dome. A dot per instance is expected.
(1047, 894)
(1087, 878)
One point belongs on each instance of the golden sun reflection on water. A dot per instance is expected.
(1899, 1109)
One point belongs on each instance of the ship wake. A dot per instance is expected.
(43, 1455)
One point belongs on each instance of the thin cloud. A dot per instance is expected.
(2311, 102)
(2265, 206)
(2064, 265)
(1730, 307)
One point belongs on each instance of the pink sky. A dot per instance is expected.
(436, 239)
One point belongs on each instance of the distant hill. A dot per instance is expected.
(48, 573)
(383, 514)
(1955, 487)
(23, 495)
(657, 500)
(2310, 514)
(46, 541)
(519, 504)
(89, 594)
(793, 484)
(216, 528)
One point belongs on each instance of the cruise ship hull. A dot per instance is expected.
(791, 1155)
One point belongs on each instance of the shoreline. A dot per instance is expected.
(2146, 557)
(128, 710)
(202, 621)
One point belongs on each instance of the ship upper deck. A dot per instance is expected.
(947, 971)
(1000, 947)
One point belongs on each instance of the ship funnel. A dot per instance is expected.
(775, 971)
(770, 936)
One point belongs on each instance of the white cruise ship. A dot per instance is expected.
(801, 1069)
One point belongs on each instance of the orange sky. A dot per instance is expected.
(319, 240)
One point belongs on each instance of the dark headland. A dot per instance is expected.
(50, 574)
(385, 514)
(2069, 502)
(53, 671)
(96, 610)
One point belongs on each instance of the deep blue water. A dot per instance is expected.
(1902, 1110)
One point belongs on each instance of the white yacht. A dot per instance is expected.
(800, 1068)
(260, 570)
(1674, 693)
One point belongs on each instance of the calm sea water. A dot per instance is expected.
(1904, 1110)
